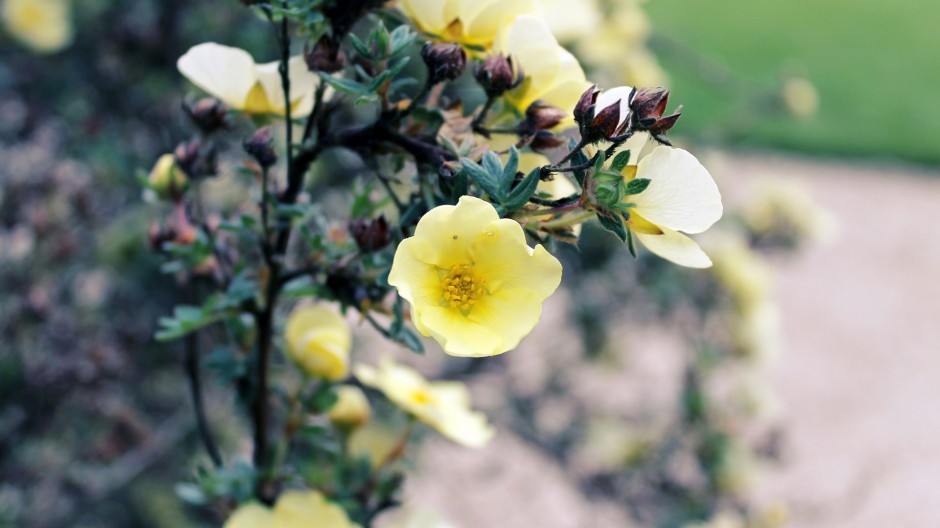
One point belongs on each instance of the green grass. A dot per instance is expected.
(876, 66)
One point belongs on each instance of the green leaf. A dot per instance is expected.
(637, 185)
(614, 225)
(620, 161)
(401, 37)
(360, 46)
(578, 159)
(344, 85)
(509, 172)
(487, 181)
(493, 166)
(523, 191)
(410, 339)
(631, 243)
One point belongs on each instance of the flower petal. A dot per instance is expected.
(303, 82)
(609, 97)
(222, 71)
(452, 228)
(297, 509)
(428, 15)
(250, 515)
(483, 19)
(681, 194)
(530, 44)
(675, 247)
(502, 256)
(458, 335)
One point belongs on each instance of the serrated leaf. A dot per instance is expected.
(614, 225)
(509, 172)
(523, 191)
(620, 161)
(487, 181)
(637, 185)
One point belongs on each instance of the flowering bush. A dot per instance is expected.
(449, 227)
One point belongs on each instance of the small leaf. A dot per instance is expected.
(492, 165)
(637, 185)
(523, 191)
(487, 181)
(509, 172)
(614, 225)
(344, 85)
(409, 339)
(631, 243)
(360, 46)
(620, 161)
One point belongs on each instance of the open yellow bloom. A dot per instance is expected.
(293, 509)
(444, 405)
(473, 283)
(319, 341)
(682, 196)
(42, 25)
(552, 73)
(473, 23)
(231, 75)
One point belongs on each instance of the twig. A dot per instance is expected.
(191, 347)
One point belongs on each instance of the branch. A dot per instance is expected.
(191, 347)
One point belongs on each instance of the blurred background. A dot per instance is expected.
(791, 385)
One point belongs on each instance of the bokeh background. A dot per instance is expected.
(793, 385)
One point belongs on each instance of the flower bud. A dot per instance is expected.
(648, 106)
(196, 160)
(371, 235)
(325, 56)
(167, 179)
(604, 114)
(261, 147)
(207, 113)
(445, 61)
(318, 342)
(495, 74)
(544, 140)
(351, 408)
(543, 116)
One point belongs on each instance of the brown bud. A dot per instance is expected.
(648, 106)
(495, 74)
(207, 113)
(371, 235)
(325, 56)
(543, 116)
(604, 114)
(544, 140)
(445, 61)
(196, 159)
(261, 147)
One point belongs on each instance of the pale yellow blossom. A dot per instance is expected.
(293, 509)
(42, 25)
(319, 341)
(470, 23)
(473, 282)
(351, 408)
(444, 405)
(681, 196)
(231, 75)
(552, 73)
(570, 22)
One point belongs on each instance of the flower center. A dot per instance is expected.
(461, 288)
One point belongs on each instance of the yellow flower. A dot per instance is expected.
(681, 196)
(319, 341)
(166, 177)
(473, 23)
(378, 443)
(473, 283)
(570, 22)
(232, 75)
(293, 509)
(444, 405)
(351, 409)
(42, 25)
(552, 73)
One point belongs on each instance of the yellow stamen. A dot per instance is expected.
(461, 288)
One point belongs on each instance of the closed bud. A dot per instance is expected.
(167, 179)
(318, 342)
(604, 115)
(196, 159)
(207, 113)
(544, 140)
(543, 116)
(648, 106)
(261, 147)
(445, 61)
(371, 235)
(495, 74)
(351, 409)
(325, 56)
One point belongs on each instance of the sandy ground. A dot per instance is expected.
(859, 377)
